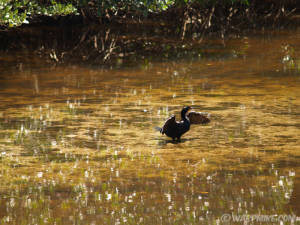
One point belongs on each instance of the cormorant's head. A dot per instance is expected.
(185, 110)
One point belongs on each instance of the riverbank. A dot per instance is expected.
(130, 38)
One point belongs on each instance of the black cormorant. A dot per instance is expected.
(175, 129)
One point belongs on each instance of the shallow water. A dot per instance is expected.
(77, 143)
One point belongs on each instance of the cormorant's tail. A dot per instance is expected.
(158, 129)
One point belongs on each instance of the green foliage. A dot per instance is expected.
(18, 12)
(15, 13)
(127, 6)
(209, 2)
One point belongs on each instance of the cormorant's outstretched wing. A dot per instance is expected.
(169, 124)
(198, 117)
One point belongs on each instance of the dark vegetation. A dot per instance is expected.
(102, 31)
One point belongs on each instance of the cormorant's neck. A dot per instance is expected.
(183, 116)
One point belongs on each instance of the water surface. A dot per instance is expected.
(77, 143)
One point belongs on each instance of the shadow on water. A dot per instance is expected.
(162, 142)
(77, 144)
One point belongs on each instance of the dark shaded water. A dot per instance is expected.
(77, 144)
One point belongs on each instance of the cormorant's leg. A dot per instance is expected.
(178, 139)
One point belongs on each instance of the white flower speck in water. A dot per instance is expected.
(39, 174)
(108, 197)
(280, 183)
